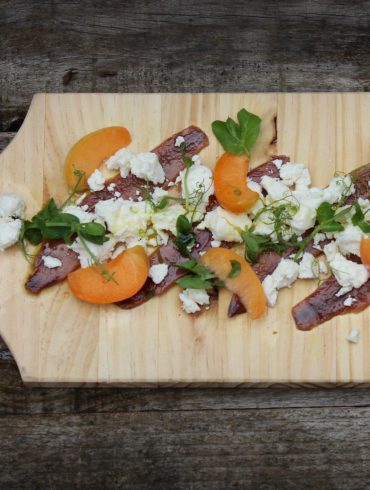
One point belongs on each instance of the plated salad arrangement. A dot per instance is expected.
(136, 224)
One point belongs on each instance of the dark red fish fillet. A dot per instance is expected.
(170, 255)
(44, 277)
(170, 158)
(322, 304)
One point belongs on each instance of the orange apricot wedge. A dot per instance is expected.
(90, 151)
(130, 271)
(246, 284)
(230, 181)
(365, 251)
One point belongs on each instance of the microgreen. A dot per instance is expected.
(199, 277)
(238, 138)
(359, 219)
(185, 238)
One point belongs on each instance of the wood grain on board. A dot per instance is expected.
(56, 339)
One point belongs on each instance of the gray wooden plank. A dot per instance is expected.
(316, 448)
(16, 399)
(174, 45)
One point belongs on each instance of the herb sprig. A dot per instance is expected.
(199, 277)
(238, 137)
(54, 224)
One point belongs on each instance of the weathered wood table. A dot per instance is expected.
(279, 437)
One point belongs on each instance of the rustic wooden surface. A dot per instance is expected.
(200, 439)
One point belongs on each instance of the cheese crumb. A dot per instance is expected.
(96, 181)
(120, 161)
(146, 166)
(158, 272)
(179, 141)
(353, 336)
(349, 301)
(278, 163)
(10, 230)
(283, 276)
(192, 299)
(51, 262)
(11, 205)
(215, 243)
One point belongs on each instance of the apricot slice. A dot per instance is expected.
(90, 151)
(365, 251)
(130, 271)
(230, 180)
(246, 284)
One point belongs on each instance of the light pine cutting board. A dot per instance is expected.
(58, 340)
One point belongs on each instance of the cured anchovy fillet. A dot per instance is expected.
(44, 277)
(171, 160)
(322, 304)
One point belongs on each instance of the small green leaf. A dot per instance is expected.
(235, 269)
(94, 229)
(228, 141)
(193, 282)
(250, 128)
(324, 212)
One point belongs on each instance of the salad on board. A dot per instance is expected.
(167, 219)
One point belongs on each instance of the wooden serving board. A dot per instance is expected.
(57, 339)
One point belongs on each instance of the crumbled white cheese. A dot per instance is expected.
(81, 214)
(127, 220)
(339, 187)
(158, 272)
(347, 273)
(102, 252)
(158, 194)
(10, 230)
(197, 160)
(307, 200)
(278, 163)
(111, 187)
(225, 225)
(275, 189)
(254, 186)
(165, 219)
(117, 194)
(179, 141)
(146, 166)
(295, 174)
(349, 239)
(198, 190)
(192, 299)
(343, 291)
(353, 336)
(349, 301)
(317, 239)
(11, 205)
(51, 262)
(96, 181)
(121, 161)
(215, 243)
(306, 267)
(283, 276)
